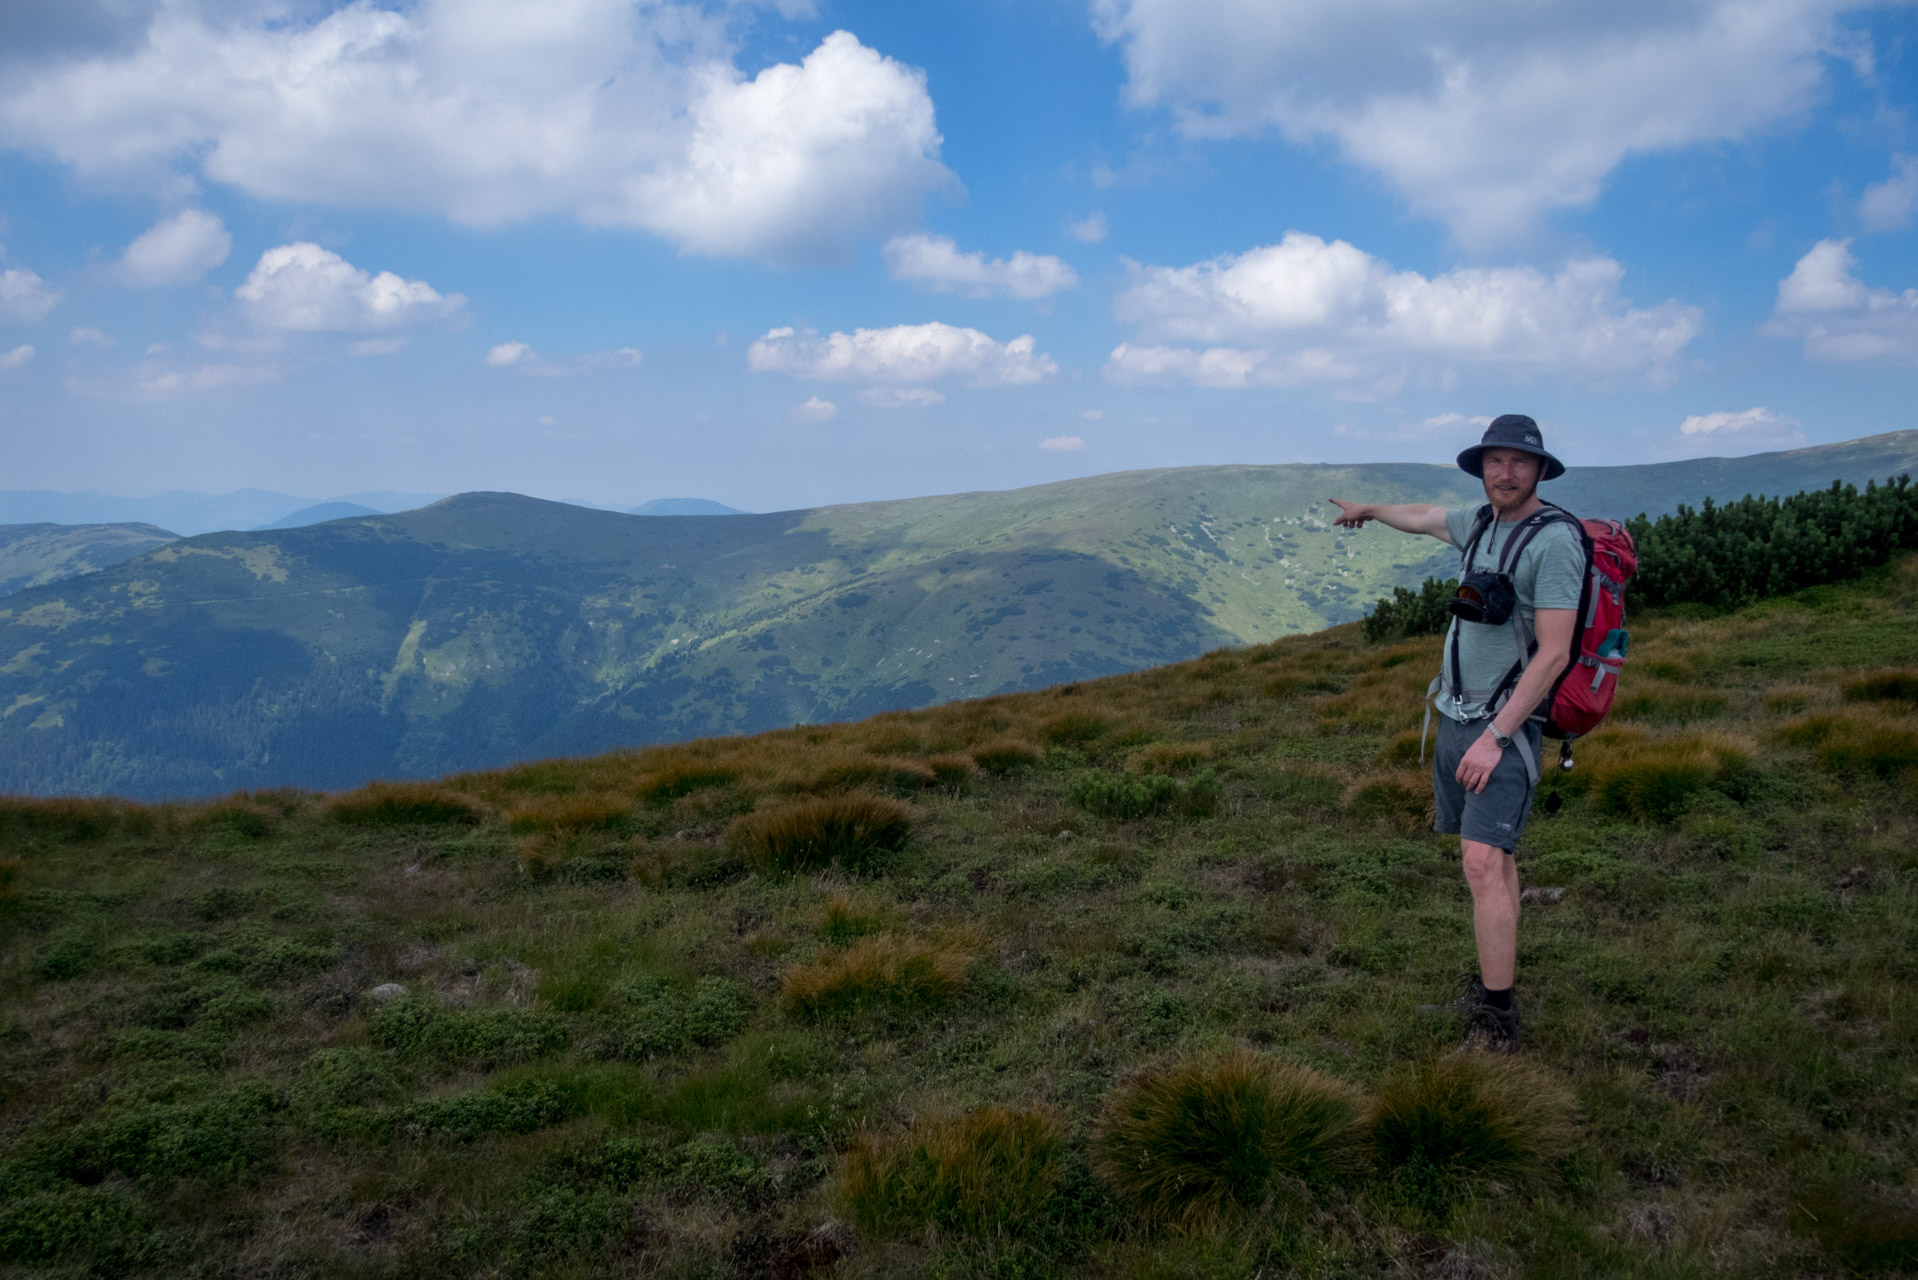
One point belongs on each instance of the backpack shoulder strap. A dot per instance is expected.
(1480, 523)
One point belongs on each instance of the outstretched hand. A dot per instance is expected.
(1352, 515)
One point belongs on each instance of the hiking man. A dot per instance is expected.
(1490, 685)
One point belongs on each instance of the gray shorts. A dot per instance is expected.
(1496, 815)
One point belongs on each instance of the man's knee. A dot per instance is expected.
(1484, 863)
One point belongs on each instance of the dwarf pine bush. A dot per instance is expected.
(1405, 614)
(1198, 1141)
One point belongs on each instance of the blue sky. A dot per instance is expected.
(790, 253)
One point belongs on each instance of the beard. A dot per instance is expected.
(1502, 503)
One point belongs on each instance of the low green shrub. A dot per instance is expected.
(1466, 1120)
(1124, 796)
(484, 1038)
(71, 952)
(517, 1107)
(1197, 1142)
(854, 830)
(104, 1227)
(987, 1169)
(660, 1019)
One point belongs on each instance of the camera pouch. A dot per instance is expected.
(1485, 597)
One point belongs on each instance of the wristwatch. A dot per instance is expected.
(1499, 736)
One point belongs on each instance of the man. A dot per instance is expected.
(1493, 678)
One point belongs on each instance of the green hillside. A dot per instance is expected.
(1117, 979)
(33, 555)
(489, 628)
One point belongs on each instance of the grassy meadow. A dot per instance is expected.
(1116, 978)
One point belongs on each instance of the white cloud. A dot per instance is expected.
(1090, 229)
(177, 249)
(1308, 310)
(1888, 205)
(375, 346)
(1092, 415)
(814, 410)
(1062, 444)
(83, 336)
(935, 263)
(1752, 429)
(521, 357)
(24, 297)
(1486, 115)
(903, 354)
(306, 288)
(616, 112)
(902, 397)
(15, 358)
(1839, 317)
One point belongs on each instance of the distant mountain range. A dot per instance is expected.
(489, 627)
(193, 513)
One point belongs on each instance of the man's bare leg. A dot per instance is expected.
(1492, 875)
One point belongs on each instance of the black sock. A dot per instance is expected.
(1500, 1000)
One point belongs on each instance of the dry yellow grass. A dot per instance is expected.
(852, 829)
(978, 1170)
(581, 811)
(393, 804)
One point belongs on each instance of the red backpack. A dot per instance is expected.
(1582, 695)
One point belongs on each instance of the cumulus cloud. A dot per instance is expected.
(1062, 444)
(305, 288)
(904, 354)
(1753, 429)
(177, 249)
(902, 397)
(508, 354)
(1839, 317)
(1486, 115)
(161, 384)
(935, 263)
(1309, 310)
(1089, 230)
(84, 336)
(814, 410)
(25, 297)
(615, 112)
(1888, 205)
(15, 358)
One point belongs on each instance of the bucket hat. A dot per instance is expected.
(1510, 431)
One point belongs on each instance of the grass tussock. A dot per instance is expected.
(952, 770)
(1074, 728)
(1465, 1120)
(580, 811)
(1170, 757)
(1005, 755)
(1400, 799)
(853, 772)
(854, 830)
(405, 804)
(671, 780)
(1665, 702)
(12, 878)
(1653, 779)
(1849, 742)
(60, 817)
(1897, 684)
(991, 1168)
(907, 974)
(1195, 1143)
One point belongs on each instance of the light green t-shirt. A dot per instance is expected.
(1550, 574)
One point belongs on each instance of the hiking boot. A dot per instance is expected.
(1471, 994)
(1492, 1030)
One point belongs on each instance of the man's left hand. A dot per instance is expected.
(1475, 770)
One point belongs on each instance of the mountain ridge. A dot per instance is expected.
(491, 627)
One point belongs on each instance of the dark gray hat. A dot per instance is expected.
(1510, 431)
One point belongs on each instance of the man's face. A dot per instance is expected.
(1511, 477)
